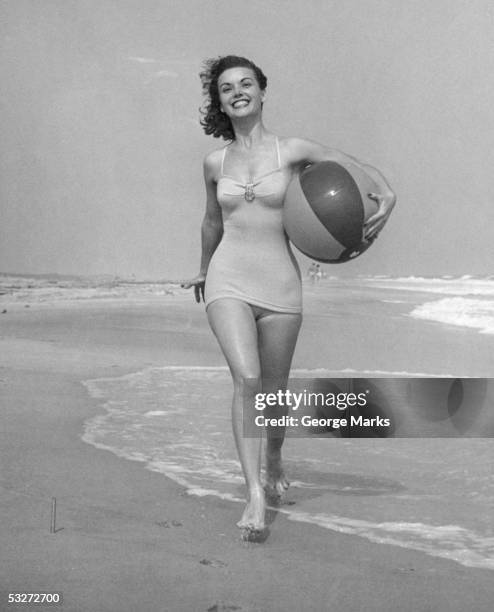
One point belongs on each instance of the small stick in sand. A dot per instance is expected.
(53, 514)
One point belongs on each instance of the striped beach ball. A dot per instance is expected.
(325, 210)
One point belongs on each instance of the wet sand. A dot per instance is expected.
(130, 539)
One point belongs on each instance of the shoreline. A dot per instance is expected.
(128, 536)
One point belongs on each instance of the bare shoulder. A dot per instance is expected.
(292, 144)
(212, 164)
(298, 145)
(295, 141)
(301, 151)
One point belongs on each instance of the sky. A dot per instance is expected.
(101, 150)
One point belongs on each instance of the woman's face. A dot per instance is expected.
(240, 94)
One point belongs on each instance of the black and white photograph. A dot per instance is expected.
(247, 305)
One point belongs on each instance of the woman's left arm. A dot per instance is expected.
(305, 152)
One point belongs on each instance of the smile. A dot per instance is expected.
(240, 103)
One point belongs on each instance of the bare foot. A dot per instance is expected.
(276, 481)
(252, 521)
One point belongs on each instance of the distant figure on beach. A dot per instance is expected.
(314, 272)
(249, 277)
(311, 272)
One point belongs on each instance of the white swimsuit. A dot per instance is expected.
(254, 262)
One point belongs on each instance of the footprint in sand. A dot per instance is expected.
(168, 524)
(225, 607)
(213, 563)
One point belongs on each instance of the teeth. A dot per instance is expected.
(240, 103)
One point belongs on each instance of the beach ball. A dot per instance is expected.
(325, 211)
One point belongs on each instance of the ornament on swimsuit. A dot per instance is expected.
(249, 194)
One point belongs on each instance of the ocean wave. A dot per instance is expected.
(464, 312)
(464, 285)
(41, 288)
(36, 290)
(447, 541)
(175, 420)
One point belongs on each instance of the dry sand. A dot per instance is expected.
(129, 539)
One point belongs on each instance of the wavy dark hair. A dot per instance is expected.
(214, 121)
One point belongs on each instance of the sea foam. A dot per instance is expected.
(176, 420)
(465, 312)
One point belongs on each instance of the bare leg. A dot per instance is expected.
(233, 324)
(277, 338)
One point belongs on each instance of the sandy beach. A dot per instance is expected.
(120, 485)
(130, 539)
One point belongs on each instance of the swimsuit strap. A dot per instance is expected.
(278, 152)
(223, 159)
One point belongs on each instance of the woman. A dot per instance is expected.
(249, 277)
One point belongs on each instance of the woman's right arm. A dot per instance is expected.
(212, 224)
(211, 229)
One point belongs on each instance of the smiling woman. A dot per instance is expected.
(249, 278)
(215, 122)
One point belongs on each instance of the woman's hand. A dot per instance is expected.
(198, 283)
(375, 223)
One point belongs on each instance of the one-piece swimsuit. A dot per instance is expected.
(254, 262)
